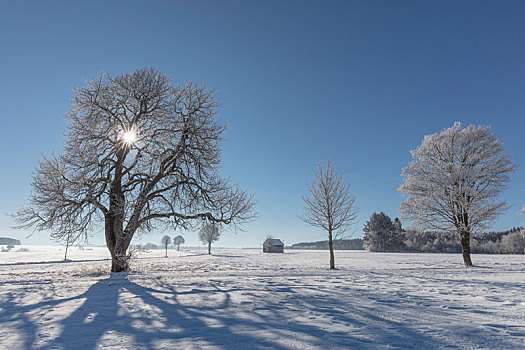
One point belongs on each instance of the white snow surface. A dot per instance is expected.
(245, 299)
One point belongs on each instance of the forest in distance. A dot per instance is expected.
(501, 242)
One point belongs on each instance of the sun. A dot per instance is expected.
(129, 137)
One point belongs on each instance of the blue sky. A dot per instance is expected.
(359, 83)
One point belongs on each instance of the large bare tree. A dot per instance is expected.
(329, 205)
(454, 181)
(140, 154)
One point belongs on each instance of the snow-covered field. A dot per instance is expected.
(244, 299)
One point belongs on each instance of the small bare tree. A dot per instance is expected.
(330, 205)
(178, 240)
(141, 154)
(166, 240)
(208, 234)
(454, 181)
(69, 241)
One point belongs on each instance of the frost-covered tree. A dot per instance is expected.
(454, 181)
(513, 243)
(398, 237)
(208, 234)
(382, 234)
(178, 240)
(165, 241)
(329, 205)
(140, 154)
(377, 230)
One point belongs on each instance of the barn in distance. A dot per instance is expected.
(273, 245)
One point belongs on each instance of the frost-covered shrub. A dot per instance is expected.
(92, 271)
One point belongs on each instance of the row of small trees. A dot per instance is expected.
(208, 234)
(177, 241)
(452, 184)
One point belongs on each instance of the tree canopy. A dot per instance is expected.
(141, 153)
(454, 181)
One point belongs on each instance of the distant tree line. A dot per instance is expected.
(503, 242)
(384, 235)
(9, 241)
(340, 244)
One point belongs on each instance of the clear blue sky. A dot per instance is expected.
(360, 83)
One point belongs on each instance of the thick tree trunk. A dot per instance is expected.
(465, 246)
(178, 247)
(331, 247)
(117, 243)
(209, 247)
(119, 261)
(117, 239)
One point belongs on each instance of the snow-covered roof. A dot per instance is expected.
(274, 242)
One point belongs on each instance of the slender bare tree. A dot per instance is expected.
(208, 234)
(329, 205)
(178, 240)
(68, 238)
(166, 240)
(140, 154)
(454, 181)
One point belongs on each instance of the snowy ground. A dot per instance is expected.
(244, 299)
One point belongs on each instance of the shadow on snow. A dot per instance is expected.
(149, 316)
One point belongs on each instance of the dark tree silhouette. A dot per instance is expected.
(140, 154)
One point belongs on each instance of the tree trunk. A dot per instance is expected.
(465, 246)
(117, 239)
(178, 247)
(119, 259)
(166, 250)
(67, 245)
(331, 247)
(117, 243)
(209, 247)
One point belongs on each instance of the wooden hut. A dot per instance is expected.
(272, 245)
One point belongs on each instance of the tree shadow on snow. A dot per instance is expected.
(145, 316)
(164, 316)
